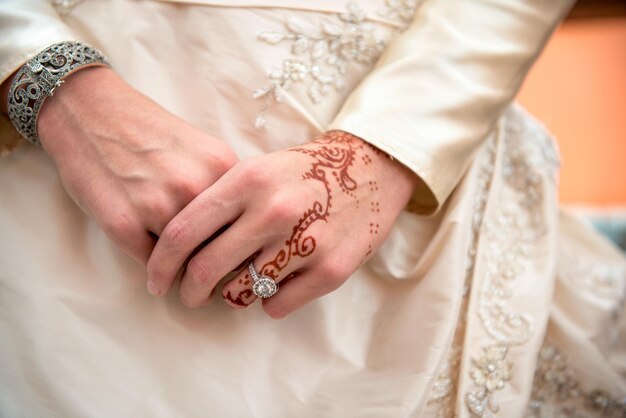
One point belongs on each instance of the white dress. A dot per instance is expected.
(496, 305)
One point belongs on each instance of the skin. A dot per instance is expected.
(123, 159)
(177, 199)
(309, 215)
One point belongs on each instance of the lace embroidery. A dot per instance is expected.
(322, 60)
(509, 235)
(557, 394)
(64, 6)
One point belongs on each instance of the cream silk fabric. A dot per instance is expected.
(465, 313)
(443, 83)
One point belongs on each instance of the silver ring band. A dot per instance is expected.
(263, 286)
(40, 76)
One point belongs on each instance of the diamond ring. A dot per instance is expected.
(264, 286)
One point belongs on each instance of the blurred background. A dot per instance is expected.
(578, 90)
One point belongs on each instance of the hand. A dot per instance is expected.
(125, 160)
(310, 216)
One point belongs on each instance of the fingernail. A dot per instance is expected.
(153, 288)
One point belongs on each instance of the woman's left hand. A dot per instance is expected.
(307, 217)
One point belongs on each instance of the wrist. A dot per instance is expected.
(390, 171)
(38, 79)
(64, 116)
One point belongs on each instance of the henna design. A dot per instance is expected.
(246, 280)
(367, 254)
(375, 207)
(334, 155)
(377, 151)
(243, 299)
(374, 228)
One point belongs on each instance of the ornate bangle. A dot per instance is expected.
(40, 76)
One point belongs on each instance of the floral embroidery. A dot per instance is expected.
(509, 234)
(400, 10)
(490, 372)
(507, 247)
(445, 381)
(445, 384)
(556, 394)
(322, 60)
(64, 6)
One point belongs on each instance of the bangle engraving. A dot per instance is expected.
(40, 77)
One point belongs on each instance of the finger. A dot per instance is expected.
(274, 263)
(139, 248)
(305, 287)
(158, 216)
(201, 219)
(129, 236)
(143, 248)
(220, 257)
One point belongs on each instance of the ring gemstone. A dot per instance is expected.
(265, 287)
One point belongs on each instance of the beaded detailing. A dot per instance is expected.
(509, 234)
(321, 60)
(445, 386)
(446, 382)
(64, 6)
(400, 10)
(557, 394)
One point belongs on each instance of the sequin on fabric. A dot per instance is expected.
(64, 6)
(508, 236)
(557, 394)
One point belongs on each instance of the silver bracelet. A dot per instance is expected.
(40, 76)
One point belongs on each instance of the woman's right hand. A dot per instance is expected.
(125, 160)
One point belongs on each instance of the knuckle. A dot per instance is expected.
(250, 174)
(281, 210)
(158, 208)
(216, 155)
(176, 233)
(119, 228)
(198, 273)
(188, 301)
(333, 275)
(225, 160)
(188, 189)
(185, 183)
